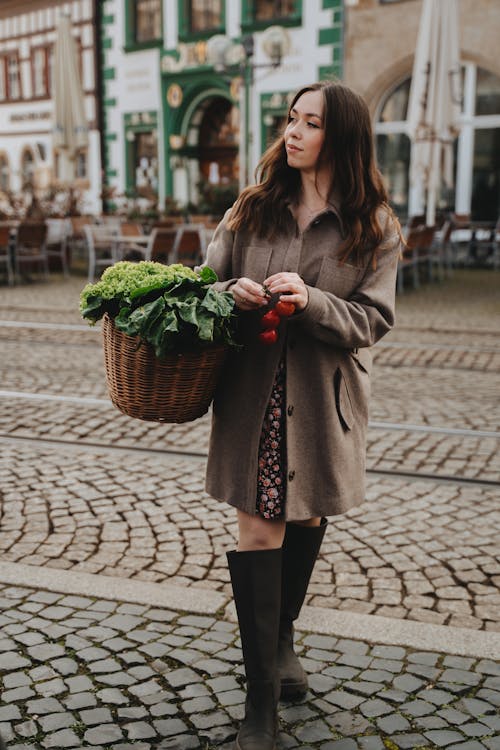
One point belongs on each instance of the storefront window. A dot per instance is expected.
(81, 165)
(476, 152)
(147, 20)
(396, 105)
(393, 154)
(4, 173)
(27, 167)
(485, 204)
(144, 160)
(205, 15)
(487, 93)
(218, 156)
(219, 133)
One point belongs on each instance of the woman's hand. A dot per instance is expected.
(290, 286)
(248, 295)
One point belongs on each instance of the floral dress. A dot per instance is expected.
(271, 481)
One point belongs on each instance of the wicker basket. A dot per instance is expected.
(178, 388)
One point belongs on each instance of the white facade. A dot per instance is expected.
(138, 83)
(26, 122)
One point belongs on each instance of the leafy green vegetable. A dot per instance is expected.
(171, 307)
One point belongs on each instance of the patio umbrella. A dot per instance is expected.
(435, 100)
(70, 131)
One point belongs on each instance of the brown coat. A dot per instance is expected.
(327, 367)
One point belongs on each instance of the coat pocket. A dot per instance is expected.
(342, 400)
(363, 359)
(338, 278)
(256, 259)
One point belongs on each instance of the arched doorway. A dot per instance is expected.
(4, 172)
(27, 168)
(206, 168)
(218, 143)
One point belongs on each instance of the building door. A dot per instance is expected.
(211, 156)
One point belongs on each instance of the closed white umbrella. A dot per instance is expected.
(435, 100)
(70, 123)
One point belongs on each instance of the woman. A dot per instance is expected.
(287, 446)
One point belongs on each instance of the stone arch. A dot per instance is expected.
(387, 80)
(191, 165)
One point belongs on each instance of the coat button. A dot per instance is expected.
(290, 410)
(291, 475)
(291, 343)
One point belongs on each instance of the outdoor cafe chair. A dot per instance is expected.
(131, 229)
(76, 240)
(484, 245)
(418, 251)
(190, 245)
(101, 246)
(58, 231)
(460, 238)
(442, 248)
(5, 254)
(161, 244)
(31, 246)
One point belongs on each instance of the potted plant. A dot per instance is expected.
(166, 332)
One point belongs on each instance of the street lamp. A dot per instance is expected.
(227, 55)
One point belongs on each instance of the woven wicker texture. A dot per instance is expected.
(178, 388)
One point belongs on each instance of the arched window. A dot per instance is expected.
(27, 167)
(477, 149)
(4, 173)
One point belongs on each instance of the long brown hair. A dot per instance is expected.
(348, 149)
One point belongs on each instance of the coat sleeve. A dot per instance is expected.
(220, 255)
(368, 314)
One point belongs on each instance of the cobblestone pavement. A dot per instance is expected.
(72, 363)
(461, 456)
(93, 673)
(86, 490)
(421, 550)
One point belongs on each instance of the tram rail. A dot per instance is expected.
(84, 446)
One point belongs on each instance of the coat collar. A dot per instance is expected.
(333, 207)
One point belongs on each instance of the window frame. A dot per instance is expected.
(27, 150)
(5, 164)
(250, 23)
(131, 42)
(48, 50)
(185, 32)
(469, 122)
(135, 124)
(4, 71)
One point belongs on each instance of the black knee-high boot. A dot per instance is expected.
(256, 581)
(300, 550)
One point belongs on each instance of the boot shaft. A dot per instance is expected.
(300, 550)
(256, 582)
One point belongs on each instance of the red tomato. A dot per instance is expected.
(270, 319)
(269, 337)
(284, 309)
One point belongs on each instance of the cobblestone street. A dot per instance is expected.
(116, 628)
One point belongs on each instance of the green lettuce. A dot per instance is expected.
(173, 308)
